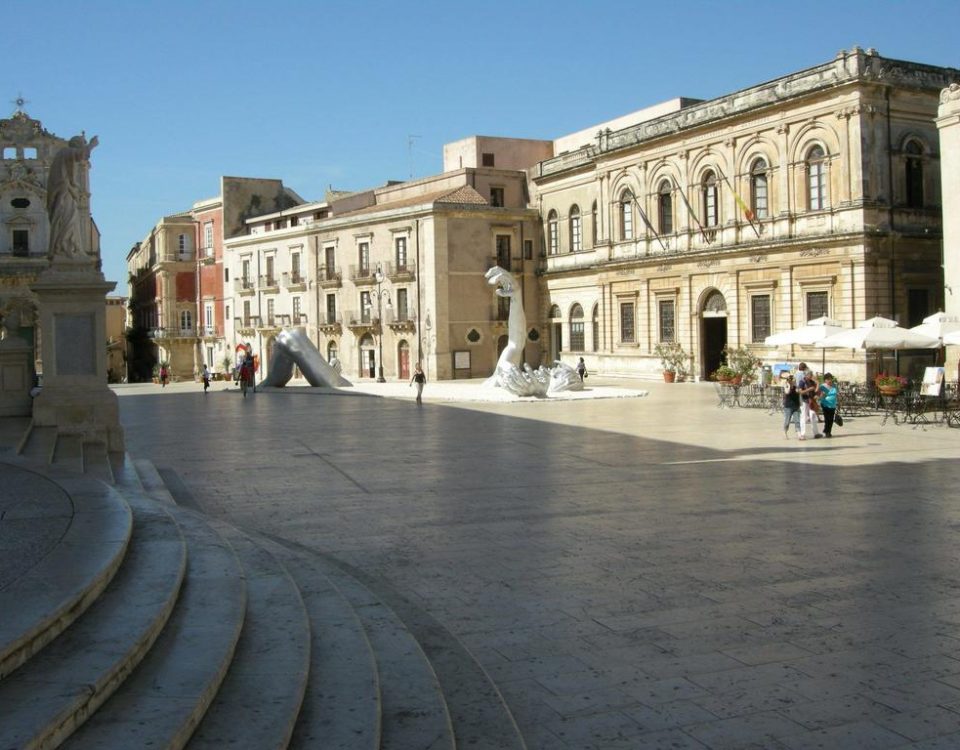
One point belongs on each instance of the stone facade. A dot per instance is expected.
(27, 150)
(433, 239)
(728, 220)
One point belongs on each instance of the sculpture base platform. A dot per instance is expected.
(93, 413)
(16, 380)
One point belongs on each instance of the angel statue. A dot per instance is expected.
(64, 197)
(509, 375)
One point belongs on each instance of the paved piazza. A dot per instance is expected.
(646, 572)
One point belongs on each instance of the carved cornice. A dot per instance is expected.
(950, 94)
(856, 66)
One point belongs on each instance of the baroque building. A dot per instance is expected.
(387, 277)
(27, 150)
(177, 279)
(717, 223)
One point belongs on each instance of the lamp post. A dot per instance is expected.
(380, 295)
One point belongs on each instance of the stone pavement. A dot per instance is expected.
(632, 572)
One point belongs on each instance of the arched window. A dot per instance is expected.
(576, 329)
(708, 190)
(914, 174)
(596, 328)
(626, 215)
(816, 179)
(576, 230)
(665, 207)
(553, 234)
(555, 312)
(332, 352)
(593, 226)
(758, 189)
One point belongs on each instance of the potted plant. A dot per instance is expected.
(673, 359)
(889, 385)
(743, 363)
(227, 373)
(724, 374)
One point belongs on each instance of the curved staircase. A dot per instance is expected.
(127, 621)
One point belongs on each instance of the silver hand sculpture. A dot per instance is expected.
(509, 375)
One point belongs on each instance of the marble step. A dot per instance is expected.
(414, 713)
(152, 482)
(480, 716)
(51, 695)
(341, 707)
(259, 701)
(161, 703)
(68, 453)
(96, 462)
(40, 444)
(94, 529)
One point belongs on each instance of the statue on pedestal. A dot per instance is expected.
(65, 193)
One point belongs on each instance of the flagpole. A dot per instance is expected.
(649, 225)
(690, 210)
(740, 202)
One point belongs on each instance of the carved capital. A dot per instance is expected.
(950, 94)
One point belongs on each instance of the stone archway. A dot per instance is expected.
(713, 331)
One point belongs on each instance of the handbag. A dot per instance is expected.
(838, 420)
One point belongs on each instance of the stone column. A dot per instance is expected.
(75, 398)
(949, 124)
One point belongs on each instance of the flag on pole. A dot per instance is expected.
(691, 212)
(750, 216)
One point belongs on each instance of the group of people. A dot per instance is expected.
(805, 399)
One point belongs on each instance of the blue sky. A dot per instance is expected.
(321, 93)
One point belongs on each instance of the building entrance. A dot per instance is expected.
(713, 333)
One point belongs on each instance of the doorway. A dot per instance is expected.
(713, 330)
(368, 357)
(403, 360)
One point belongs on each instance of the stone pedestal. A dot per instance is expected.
(16, 377)
(75, 398)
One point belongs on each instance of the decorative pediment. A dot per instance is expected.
(21, 128)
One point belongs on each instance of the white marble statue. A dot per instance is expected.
(509, 375)
(65, 190)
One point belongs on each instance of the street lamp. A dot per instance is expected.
(380, 295)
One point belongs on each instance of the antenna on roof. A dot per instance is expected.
(410, 151)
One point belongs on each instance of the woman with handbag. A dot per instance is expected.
(807, 387)
(828, 402)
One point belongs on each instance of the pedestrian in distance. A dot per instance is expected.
(582, 369)
(205, 375)
(807, 387)
(421, 380)
(828, 402)
(791, 405)
(164, 375)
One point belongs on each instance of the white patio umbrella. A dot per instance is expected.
(879, 333)
(938, 325)
(807, 335)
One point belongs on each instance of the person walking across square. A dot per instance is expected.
(421, 380)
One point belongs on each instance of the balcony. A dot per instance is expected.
(210, 332)
(400, 271)
(273, 323)
(359, 321)
(173, 333)
(248, 325)
(269, 284)
(243, 286)
(207, 256)
(402, 320)
(362, 275)
(514, 265)
(294, 281)
(329, 323)
(329, 277)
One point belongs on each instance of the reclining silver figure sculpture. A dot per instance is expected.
(508, 374)
(292, 347)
